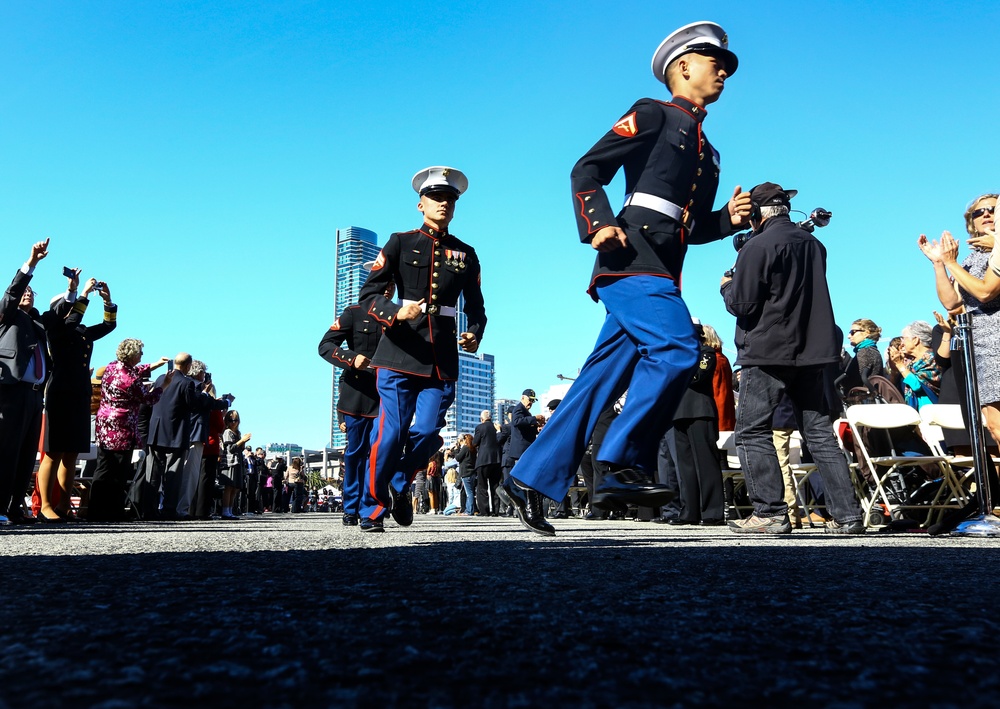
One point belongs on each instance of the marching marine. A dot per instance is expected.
(417, 358)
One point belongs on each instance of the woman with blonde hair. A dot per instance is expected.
(866, 362)
(976, 288)
(123, 389)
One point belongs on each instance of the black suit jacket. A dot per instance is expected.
(170, 424)
(487, 445)
(523, 431)
(20, 333)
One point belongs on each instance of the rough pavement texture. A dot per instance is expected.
(296, 610)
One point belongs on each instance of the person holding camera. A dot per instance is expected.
(786, 336)
(647, 343)
(24, 366)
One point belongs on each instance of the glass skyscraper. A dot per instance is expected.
(355, 246)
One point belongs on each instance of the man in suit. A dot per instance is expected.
(170, 438)
(24, 366)
(488, 473)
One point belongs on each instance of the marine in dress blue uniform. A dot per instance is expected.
(350, 343)
(417, 358)
(647, 343)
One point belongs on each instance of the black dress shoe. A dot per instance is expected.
(629, 486)
(713, 522)
(350, 520)
(402, 506)
(663, 520)
(527, 505)
(596, 515)
(371, 525)
(560, 515)
(18, 517)
(678, 522)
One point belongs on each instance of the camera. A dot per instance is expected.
(69, 272)
(819, 217)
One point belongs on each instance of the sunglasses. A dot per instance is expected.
(854, 332)
(982, 211)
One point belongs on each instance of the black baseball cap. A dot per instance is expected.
(530, 393)
(769, 194)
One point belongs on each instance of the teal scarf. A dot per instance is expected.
(863, 344)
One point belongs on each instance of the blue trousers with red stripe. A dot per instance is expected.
(647, 344)
(406, 435)
(359, 437)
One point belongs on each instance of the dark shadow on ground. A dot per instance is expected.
(591, 623)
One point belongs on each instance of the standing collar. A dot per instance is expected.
(434, 233)
(690, 106)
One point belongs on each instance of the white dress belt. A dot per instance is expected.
(433, 308)
(657, 204)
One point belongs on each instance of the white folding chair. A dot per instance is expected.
(732, 473)
(950, 492)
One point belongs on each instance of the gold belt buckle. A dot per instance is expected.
(686, 218)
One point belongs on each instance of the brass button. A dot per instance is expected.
(701, 156)
(590, 211)
(694, 187)
(434, 296)
(587, 198)
(435, 274)
(437, 252)
(645, 226)
(595, 223)
(436, 264)
(699, 171)
(690, 202)
(682, 146)
(416, 263)
(434, 285)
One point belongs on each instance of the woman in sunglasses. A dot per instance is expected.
(976, 287)
(863, 336)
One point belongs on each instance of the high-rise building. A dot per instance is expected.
(355, 246)
(501, 408)
(474, 392)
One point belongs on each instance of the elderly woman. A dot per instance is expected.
(68, 392)
(123, 389)
(976, 286)
(914, 360)
(867, 362)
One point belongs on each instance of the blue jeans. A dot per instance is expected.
(647, 344)
(469, 483)
(760, 390)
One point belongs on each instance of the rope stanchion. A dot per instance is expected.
(984, 524)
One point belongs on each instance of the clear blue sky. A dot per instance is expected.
(199, 156)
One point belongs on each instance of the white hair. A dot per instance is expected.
(485, 415)
(773, 210)
(921, 330)
(197, 367)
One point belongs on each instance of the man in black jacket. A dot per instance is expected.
(24, 366)
(488, 473)
(170, 438)
(785, 337)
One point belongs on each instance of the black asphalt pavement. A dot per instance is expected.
(298, 611)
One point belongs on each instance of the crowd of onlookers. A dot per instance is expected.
(168, 448)
(193, 461)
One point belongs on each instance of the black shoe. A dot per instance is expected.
(402, 506)
(678, 522)
(629, 486)
(713, 523)
(527, 505)
(597, 514)
(18, 517)
(372, 525)
(40, 517)
(560, 515)
(350, 520)
(663, 520)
